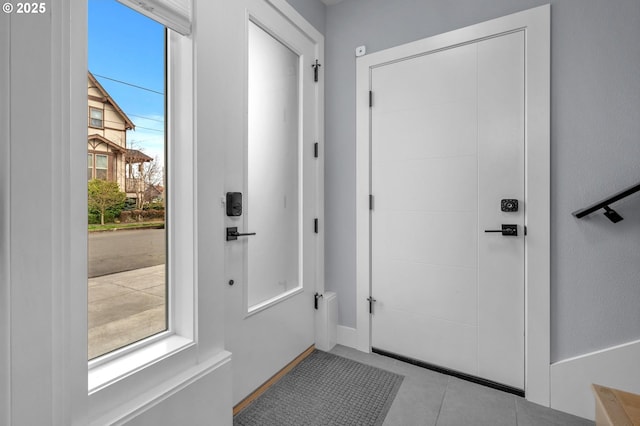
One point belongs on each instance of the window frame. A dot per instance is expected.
(57, 342)
(101, 110)
(113, 377)
(90, 165)
(95, 166)
(111, 165)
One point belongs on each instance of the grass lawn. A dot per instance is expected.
(134, 225)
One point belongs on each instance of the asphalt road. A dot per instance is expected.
(118, 251)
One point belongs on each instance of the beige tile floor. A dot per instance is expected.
(125, 307)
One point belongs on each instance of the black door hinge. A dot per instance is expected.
(371, 301)
(316, 150)
(370, 99)
(315, 225)
(370, 202)
(316, 68)
(315, 300)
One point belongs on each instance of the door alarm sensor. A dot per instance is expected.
(361, 50)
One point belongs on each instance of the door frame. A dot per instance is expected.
(536, 25)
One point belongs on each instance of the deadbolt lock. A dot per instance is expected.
(509, 205)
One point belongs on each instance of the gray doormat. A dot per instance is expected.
(322, 390)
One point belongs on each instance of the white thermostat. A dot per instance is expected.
(361, 50)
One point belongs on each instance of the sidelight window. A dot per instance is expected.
(127, 267)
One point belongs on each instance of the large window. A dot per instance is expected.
(127, 279)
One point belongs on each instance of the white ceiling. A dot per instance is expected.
(330, 2)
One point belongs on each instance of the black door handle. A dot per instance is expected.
(232, 234)
(507, 230)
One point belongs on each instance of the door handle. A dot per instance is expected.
(507, 230)
(233, 234)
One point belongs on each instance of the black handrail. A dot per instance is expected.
(604, 204)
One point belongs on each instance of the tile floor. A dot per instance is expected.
(427, 398)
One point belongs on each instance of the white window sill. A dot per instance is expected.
(103, 374)
(139, 403)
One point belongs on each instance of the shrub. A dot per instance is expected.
(94, 218)
(128, 216)
(154, 206)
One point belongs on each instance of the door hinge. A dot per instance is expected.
(316, 68)
(371, 301)
(370, 99)
(370, 202)
(315, 225)
(315, 300)
(525, 230)
(316, 150)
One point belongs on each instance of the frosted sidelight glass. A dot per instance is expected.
(273, 193)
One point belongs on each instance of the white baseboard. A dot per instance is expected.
(571, 379)
(347, 336)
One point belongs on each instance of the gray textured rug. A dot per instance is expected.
(322, 390)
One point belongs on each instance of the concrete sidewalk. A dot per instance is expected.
(125, 307)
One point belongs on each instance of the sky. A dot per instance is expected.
(127, 46)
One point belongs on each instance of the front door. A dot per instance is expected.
(447, 234)
(271, 199)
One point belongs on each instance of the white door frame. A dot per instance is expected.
(536, 25)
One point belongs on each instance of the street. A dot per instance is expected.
(125, 250)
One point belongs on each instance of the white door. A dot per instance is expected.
(272, 274)
(447, 148)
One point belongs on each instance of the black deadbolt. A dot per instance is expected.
(509, 205)
(234, 203)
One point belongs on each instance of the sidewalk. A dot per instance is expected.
(125, 307)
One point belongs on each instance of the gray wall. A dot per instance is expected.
(595, 137)
(313, 11)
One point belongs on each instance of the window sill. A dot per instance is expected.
(107, 373)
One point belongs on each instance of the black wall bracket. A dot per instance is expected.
(611, 214)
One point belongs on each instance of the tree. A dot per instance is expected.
(147, 173)
(150, 176)
(104, 195)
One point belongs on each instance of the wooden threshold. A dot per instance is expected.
(273, 380)
(615, 407)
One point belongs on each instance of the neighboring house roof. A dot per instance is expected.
(135, 156)
(107, 98)
(154, 191)
(102, 139)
